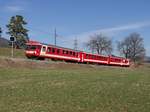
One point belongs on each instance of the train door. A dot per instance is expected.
(108, 59)
(81, 56)
(43, 50)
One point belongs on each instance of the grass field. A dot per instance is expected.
(60, 87)
(6, 52)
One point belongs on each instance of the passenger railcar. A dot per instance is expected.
(41, 51)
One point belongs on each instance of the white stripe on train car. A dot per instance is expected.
(58, 56)
(116, 63)
(119, 63)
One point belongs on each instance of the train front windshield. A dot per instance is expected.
(32, 47)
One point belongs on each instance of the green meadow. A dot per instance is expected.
(61, 87)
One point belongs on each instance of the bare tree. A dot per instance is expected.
(100, 43)
(132, 47)
(91, 44)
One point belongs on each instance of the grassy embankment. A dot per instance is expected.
(6, 52)
(60, 87)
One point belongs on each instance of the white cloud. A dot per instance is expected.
(117, 29)
(125, 27)
(112, 31)
(14, 8)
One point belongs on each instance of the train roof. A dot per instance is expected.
(38, 43)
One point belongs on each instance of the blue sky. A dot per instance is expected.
(80, 19)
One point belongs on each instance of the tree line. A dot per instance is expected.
(131, 47)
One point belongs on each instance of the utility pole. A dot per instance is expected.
(0, 32)
(55, 36)
(12, 39)
(75, 44)
(12, 49)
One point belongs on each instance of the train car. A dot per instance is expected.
(94, 58)
(59, 53)
(114, 60)
(41, 51)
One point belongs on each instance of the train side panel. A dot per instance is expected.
(92, 58)
(59, 53)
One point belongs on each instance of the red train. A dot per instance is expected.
(41, 51)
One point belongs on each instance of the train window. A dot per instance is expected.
(32, 47)
(70, 52)
(44, 49)
(97, 57)
(87, 56)
(48, 49)
(93, 57)
(66, 52)
(76, 54)
(73, 53)
(119, 60)
(104, 58)
(53, 50)
(58, 51)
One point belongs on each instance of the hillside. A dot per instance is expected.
(4, 42)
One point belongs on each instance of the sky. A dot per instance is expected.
(79, 19)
